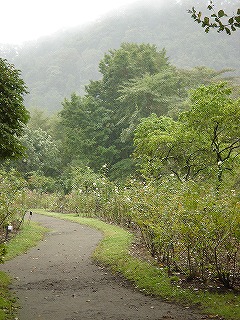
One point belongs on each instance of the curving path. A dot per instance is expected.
(56, 280)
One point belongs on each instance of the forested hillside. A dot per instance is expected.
(56, 66)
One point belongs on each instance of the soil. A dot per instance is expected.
(57, 280)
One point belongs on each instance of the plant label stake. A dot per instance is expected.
(9, 229)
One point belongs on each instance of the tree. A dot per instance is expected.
(93, 124)
(86, 127)
(42, 154)
(132, 65)
(163, 94)
(154, 141)
(40, 120)
(13, 115)
(218, 19)
(137, 80)
(215, 115)
(158, 93)
(204, 142)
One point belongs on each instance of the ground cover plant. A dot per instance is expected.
(6, 299)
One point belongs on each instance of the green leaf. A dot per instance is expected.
(237, 19)
(207, 29)
(228, 31)
(221, 13)
(206, 21)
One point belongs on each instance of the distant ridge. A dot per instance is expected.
(58, 65)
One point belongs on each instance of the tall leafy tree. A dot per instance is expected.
(93, 124)
(118, 68)
(42, 153)
(86, 125)
(13, 114)
(216, 116)
(204, 142)
(137, 80)
(163, 93)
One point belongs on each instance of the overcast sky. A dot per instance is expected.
(24, 20)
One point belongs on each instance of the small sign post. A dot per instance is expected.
(9, 229)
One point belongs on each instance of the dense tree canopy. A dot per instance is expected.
(204, 142)
(93, 124)
(13, 114)
(42, 153)
(86, 129)
(137, 80)
(216, 117)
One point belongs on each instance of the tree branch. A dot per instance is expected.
(215, 21)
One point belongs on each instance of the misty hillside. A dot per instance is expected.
(56, 66)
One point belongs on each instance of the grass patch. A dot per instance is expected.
(28, 237)
(6, 299)
(113, 251)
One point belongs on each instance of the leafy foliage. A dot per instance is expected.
(188, 228)
(137, 80)
(86, 126)
(13, 114)
(204, 142)
(42, 153)
(12, 205)
(215, 116)
(215, 21)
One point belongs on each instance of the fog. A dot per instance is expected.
(27, 20)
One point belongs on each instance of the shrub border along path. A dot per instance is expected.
(113, 251)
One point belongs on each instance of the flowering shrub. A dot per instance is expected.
(187, 227)
(12, 197)
(12, 205)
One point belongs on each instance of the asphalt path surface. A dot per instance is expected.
(57, 280)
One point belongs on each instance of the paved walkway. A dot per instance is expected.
(57, 280)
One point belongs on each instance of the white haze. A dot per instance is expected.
(26, 20)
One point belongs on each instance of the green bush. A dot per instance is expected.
(188, 227)
(12, 198)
